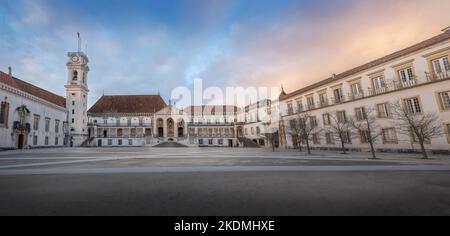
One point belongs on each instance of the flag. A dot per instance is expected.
(78, 33)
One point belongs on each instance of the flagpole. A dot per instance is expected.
(79, 42)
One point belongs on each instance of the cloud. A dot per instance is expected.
(160, 46)
(300, 49)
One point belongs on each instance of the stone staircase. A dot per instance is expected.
(247, 143)
(87, 142)
(169, 145)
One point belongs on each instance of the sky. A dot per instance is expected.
(153, 46)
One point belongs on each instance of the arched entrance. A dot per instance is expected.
(20, 141)
(160, 128)
(170, 128)
(181, 128)
(240, 131)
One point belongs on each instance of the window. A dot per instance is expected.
(313, 121)
(36, 122)
(46, 140)
(323, 99)
(200, 141)
(415, 139)
(299, 106)
(383, 110)
(47, 125)
(413, 105)
(210, 141)
(73, 120)
(445, 100)
(56, 126)
(4, 110)
(329, 138)
(364, 136)
(310, 101)
(338, 98)
(378, 84)
(406, 76)
(73, 103)
(35, 140)
(346, 136)
(130, 142)
(290, 109)
(326, 119)
(119, 142)
(73, 111)
(356, 89)
(389, 135)
(75, 75)
(360, 113)
(110, 142)
(56, 141)
(441, 65)
(220, 141)
(341, 116)
(316, 139)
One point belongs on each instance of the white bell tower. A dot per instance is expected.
(76, 97)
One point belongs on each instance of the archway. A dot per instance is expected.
(170, 128)
(240, 131)
(160, 127)
(181, 128)
(20, 141)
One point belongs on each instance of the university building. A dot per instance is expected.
(417, 77)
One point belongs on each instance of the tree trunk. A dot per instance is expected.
(372, 149)
(307, 146)
(343, 147)
(422, 146)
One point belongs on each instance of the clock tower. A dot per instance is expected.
(76, 97)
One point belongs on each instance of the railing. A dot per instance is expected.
(122, 137)
(120, 124)
(214, 123)
(390, 86)
(437, 76)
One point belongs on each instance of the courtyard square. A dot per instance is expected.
(220, 181)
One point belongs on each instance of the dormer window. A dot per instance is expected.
(75, 75)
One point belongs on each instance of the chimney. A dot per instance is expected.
(10, 71)
(333, 76)
(446, 30)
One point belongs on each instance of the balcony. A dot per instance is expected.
(118, 124)
(338, 100)
(431, 77)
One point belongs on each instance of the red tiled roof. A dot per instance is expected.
(31, 89)
(417, 47)
(210, 109)
(128, 104)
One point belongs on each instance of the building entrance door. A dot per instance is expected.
(20, 140)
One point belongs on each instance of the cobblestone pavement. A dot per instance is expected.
(217, 181)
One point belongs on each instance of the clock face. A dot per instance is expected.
(75, 59)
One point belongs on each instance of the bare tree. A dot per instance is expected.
(295, 131)
(411, 121)
(340, 127)
(307, 126)
(365, 125)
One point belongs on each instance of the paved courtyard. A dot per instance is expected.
(209, 181)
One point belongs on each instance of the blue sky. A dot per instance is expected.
(142, 47)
